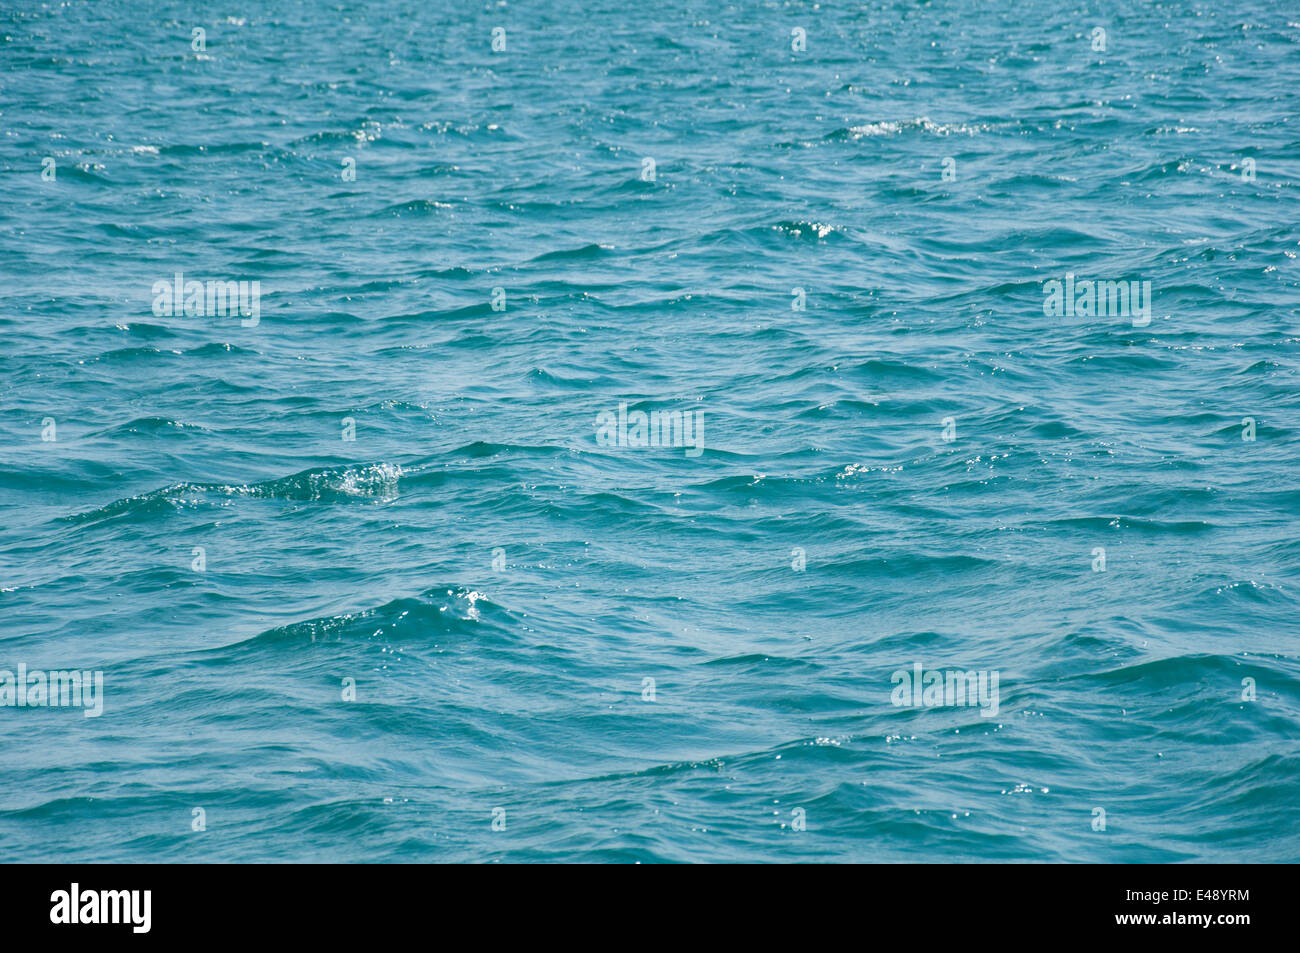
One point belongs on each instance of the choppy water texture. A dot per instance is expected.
(521, 687)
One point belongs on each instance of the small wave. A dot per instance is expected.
(377, 481)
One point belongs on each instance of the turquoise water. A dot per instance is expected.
(182, 511)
